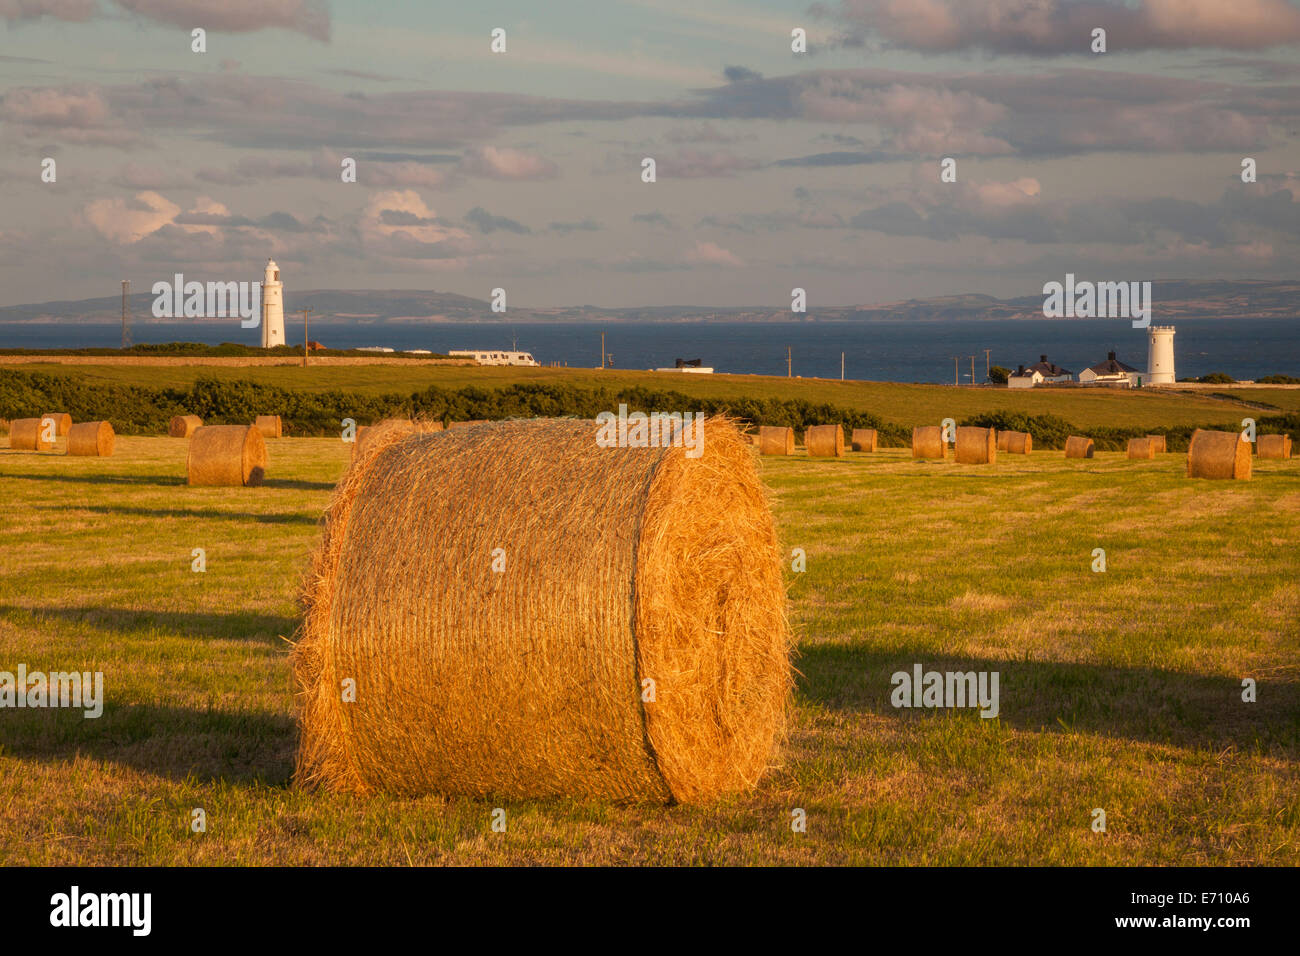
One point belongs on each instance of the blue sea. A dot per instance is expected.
(877, 351)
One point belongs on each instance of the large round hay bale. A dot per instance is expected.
(183, 426)
(927, 442)
(92, 439)
(1017, 443)
(1273, 446)
(62, 422)
(1158, 444)
(775, 440)
(1218, 455)
(1002, 440)
(30, 434)
(1141, 448)
(824, 441)
(975, 446)
(1076, 446)
(864, 439)
(633, 645)
(403, 426)
(269, 426)
(475, 421)
(226, 456)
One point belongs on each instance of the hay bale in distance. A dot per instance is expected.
(975, 446)
(402, 426)
(226, 456)
(1273, 446)
(824, 441)
(269, 426)
(775, 440)
(62, 422)
(1158, 444)
(91, 439)
(29, 434)
(531, 682)
(927, 442)
(1076, 446)
(183, 426)
(1212, 454)
(1141, 448)
(1017, 443)
(864, 439)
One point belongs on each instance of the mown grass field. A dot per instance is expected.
(1119, 690)
(907, 405)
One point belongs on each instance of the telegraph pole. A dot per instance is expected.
(789, 363)
(972, 370)
(956, 377)
(126, 314)
(602, 349)
(305, 347)
(988, 368)
(841, 366)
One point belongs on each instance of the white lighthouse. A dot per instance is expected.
(272, 307)
(1160, 355)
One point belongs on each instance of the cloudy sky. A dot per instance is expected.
(523, 170)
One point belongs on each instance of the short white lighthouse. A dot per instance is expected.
(1160, 355)
(272, 307)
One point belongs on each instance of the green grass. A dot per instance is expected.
(1119, 690)
(907, 405)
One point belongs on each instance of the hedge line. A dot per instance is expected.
(139, 410)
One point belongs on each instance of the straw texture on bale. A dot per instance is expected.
(623, 565)
(975, 446)
(1158, 444)
(92, 439)
(1076, 446)
(1017, 443)
(226, 455)
(183, 426)
(28, 434)
(927, 442)
(864, 439)
(775, 440)
(62, 422)
(1218, 455)
(402, 426)
(269, 426)
(1141, 448)
(476, 421)
(824, 441)
(1273, 446)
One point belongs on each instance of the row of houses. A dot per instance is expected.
(1110, 372)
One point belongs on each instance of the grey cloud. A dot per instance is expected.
(486, 223)
(564, 228)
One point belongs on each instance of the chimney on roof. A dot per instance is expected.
(1021, 372)
(1111, 356)
(1042, 358)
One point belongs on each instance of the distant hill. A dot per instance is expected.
(1174, 300)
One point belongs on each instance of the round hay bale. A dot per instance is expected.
(62, 422)
(92, 439)
(29, 434)
(775, 440)
(226, 456)
(1273, 446)
(1017, 443)
(1218, 455)
(634, 648)
(1141, 448)
(1002, 440)
(927, 442)
(476, 421)
(269, 426)
(975, 446)
(403, 426)
(183, 426)
(1076, 446)
(864, 439)
(824, 441)
(1158, 444)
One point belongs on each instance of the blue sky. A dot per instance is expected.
(522, 170)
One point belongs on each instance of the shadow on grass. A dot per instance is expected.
(297, 485)
(1143, 704)
(265, 628)
(165, 480)
(176, 742)
(187, 513)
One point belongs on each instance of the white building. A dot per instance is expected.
(272, 307)
(1160, 355)
(1039, 373)
(495, 358)
(1111, 372)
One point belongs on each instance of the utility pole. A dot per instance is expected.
(841, 366)
(126, 314)
(972, 370)
(305, 347)
(789, 363)
(602, 349)
(956, 377)
(988, 368)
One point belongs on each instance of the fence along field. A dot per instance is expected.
(1121, 690)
